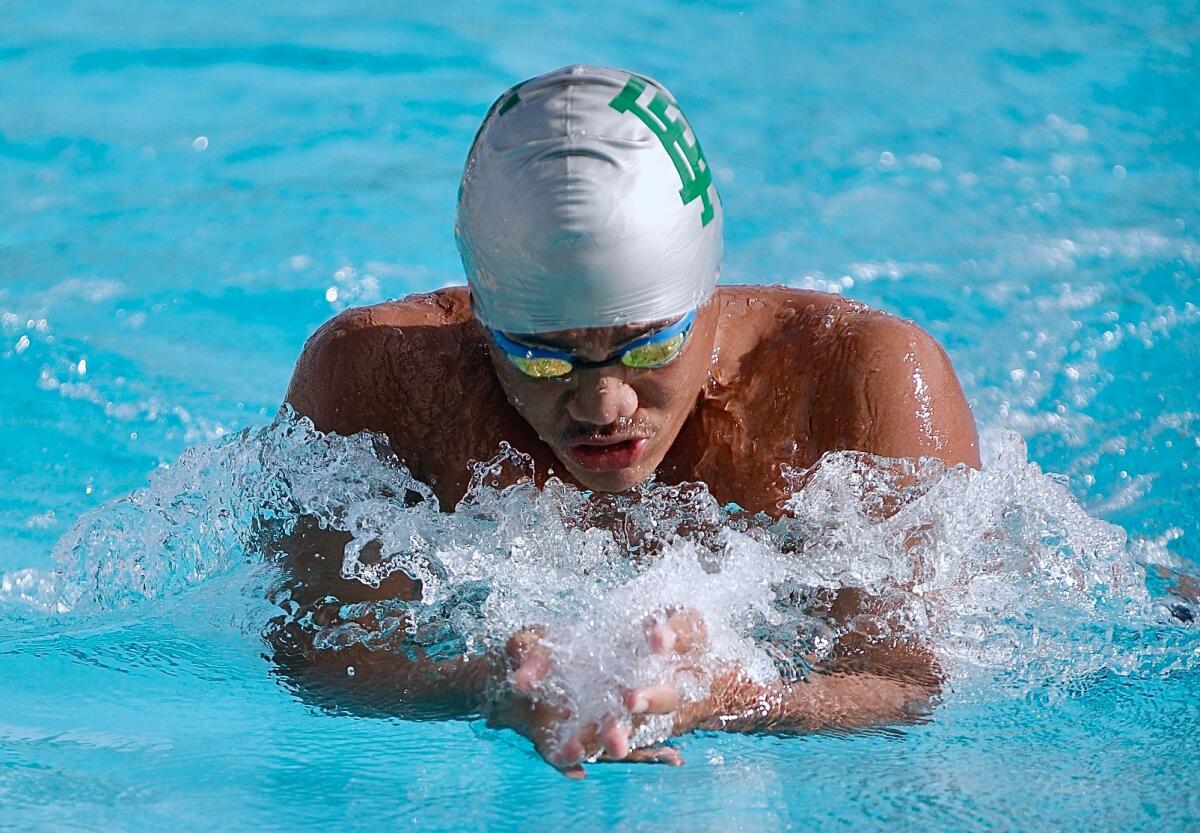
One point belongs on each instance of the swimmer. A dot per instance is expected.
(592, 335)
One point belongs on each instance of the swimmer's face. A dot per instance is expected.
(611, 426)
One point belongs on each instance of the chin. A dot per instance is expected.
(612, 481)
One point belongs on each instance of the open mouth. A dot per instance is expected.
(608, 456)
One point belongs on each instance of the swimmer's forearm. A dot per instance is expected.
(356, 673)
(458, 682)
(823, 702)
(389, 681)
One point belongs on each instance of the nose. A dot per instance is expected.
(601, 398)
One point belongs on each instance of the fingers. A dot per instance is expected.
(521, 642)
(531, 671)
(661, 698)
(690, 631)
(567, 757)
(668, 755)
(678, 636)
(662, 638)
(610, 742)
(530, 658)
(683, 632)
(615, 739)
(570, 753)
(665, 755)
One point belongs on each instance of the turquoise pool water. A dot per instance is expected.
(188, 190)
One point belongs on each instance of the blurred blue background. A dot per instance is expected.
(188, 189)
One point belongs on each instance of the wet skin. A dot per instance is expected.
(769, 378)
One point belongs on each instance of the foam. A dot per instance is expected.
(1001, 570)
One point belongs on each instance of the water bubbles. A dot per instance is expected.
(1073, 132)
(351, 289)
(44, 520)
(926, 161)
(200, 144)
(1000, 570)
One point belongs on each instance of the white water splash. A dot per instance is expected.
(1000, 570)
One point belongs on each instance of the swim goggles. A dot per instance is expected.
(649, 351)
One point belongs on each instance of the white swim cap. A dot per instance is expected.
(587, 202)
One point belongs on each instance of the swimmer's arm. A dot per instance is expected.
(382, 679)
(866, 682)
(894, 393)
(891, 391)
(351, 376)
(830, 699)
(383, 682)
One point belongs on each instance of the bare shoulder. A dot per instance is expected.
(816, 324)
(900, 394)
(774, 301)
(358, 358)
(444, 306)
(754, 317)
(878, 341)
(418, 371)
(879, 383)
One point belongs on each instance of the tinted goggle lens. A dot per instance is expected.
(656, 352)
(541, 368)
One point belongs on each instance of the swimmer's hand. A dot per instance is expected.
(869, 685)
(680, 638)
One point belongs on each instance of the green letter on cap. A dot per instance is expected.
(688, 158)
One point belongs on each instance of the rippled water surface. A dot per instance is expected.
(188, 190)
